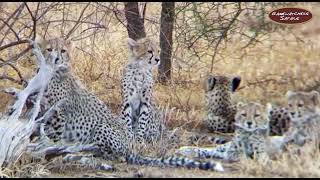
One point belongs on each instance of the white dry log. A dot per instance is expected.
(37, 84)
(14, 138)
(14, 131)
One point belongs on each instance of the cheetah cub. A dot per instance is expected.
(138, 109)
(305, 117)
(279, 119)
(220, 111)
(79, 118)
(251, 137)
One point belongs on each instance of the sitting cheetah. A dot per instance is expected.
(220, 110)
(138, 109)
(77, 116)
(61, 87)
(305, 121)
(279, 120)
(251, 136)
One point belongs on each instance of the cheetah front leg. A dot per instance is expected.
(87, 160)
(144, 120)
(126, 116)
(54, 121)
(82, 153)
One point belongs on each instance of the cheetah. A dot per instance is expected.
(220, 111)
(61, 87)
(279, 120)
(305, 117)
(251, 137)
(77, 116)
(138, 109)
(281, 117)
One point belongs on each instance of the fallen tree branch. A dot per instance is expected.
(36, 84)
(14, 138)
(14, 132)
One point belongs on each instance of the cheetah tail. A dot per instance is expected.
(174, 161)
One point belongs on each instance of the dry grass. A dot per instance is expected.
(268, 70)
(287, 165)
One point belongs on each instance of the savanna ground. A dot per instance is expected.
(284, 59)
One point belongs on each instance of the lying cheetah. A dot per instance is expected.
(220, 110)
(281, 117)
(79, 117)
(251, 136)
(305, 117)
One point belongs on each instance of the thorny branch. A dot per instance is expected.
(21, 81)
(203, 30)
(15, 14)
(13, 44)
(78, 21)
(224, 35)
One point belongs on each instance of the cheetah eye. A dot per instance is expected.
(257, 115)
(63, 50)
(243, 114)
(150, 52)
(300, 105)
(290, 105)
(49, 49)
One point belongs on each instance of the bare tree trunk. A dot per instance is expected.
(166, 29)
(135, 23)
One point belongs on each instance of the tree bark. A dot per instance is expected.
(135, 23)
(166, 29)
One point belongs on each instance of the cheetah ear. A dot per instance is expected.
(235, 83)
(289, 93)
(240, 105)
(269, 107)
(209, 83)
(315, 97)
(68, 44)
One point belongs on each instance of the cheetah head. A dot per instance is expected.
(303, 103)
(56, 50)
(144, 51)
(221, 82)
(251, 116)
